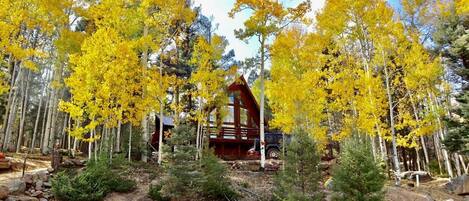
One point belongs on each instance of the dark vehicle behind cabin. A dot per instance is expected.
(273, 145)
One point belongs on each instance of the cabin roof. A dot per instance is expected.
(242, 82)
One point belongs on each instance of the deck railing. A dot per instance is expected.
(233, 133)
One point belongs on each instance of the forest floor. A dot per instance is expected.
(247, 181)
(34, 163)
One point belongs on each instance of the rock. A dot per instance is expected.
(67, 163)
(37, 194)
(50, 170)
(28, 178)
(39, 185)
(21, 198)
(42, 199)
(459, 185)
(423, 176)
(4, 191)
(16, 186)
(47, 184)
(43, 175)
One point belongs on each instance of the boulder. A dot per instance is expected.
(423, 176)
(39, 185)
(42, 199)
(43, 175)
(50, 170)
(47, 184)
(37, 194)
(21, 198)
(4, 192)
(28, 178)
(16, 186)
(459, 185)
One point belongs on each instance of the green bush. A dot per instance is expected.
(357, 176)
(434, 167)
(91, 185)
(181, 171)
(299, 179)
(155, 193)
(214, 184)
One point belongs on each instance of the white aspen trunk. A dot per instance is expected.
(417, 177)
(103, 139)
(24, 104)
(160, 132)
(146, 133)
(90, 143)
(160, 135)
(75, 141)
(425, 152)
(64, 128)
(44, 121)
(95, 146)
(197, 141)
(53, 124)
(261, 116)
(130, 142)
(68, 134)
(446, 158)
(458, 165)
(12, 112)
(118, 137)
(112, 145)
(424, 147)
(393, 132)
(373, 147)
(382, 148)
(10, 100)
(463, 164)
(46, 139)
(36, 123)
(145, 138)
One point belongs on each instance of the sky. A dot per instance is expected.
(219, 10)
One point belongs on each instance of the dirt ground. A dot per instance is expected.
(428, 191)
(34, 163)
(251, 184)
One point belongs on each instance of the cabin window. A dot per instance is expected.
(231, 99)
(243, 116)
(213, 118)
(229, 117)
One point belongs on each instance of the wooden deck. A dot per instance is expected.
(232, 143)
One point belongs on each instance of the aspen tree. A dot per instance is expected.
(267, 19)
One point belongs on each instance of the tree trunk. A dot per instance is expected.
(44, 121)
(12, 112)
(261, 116)
(393, 132)
(130, 142)
(10, 100)
(436, 143)
(24, 105)
(458, 165)
(160, 134)
(111, 138)
(146, 134)
(36, 123)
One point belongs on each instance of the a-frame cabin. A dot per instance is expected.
(233, 134)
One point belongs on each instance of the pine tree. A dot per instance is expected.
(181, 169)
(357, 176)
(215, 184)
(299, 179)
